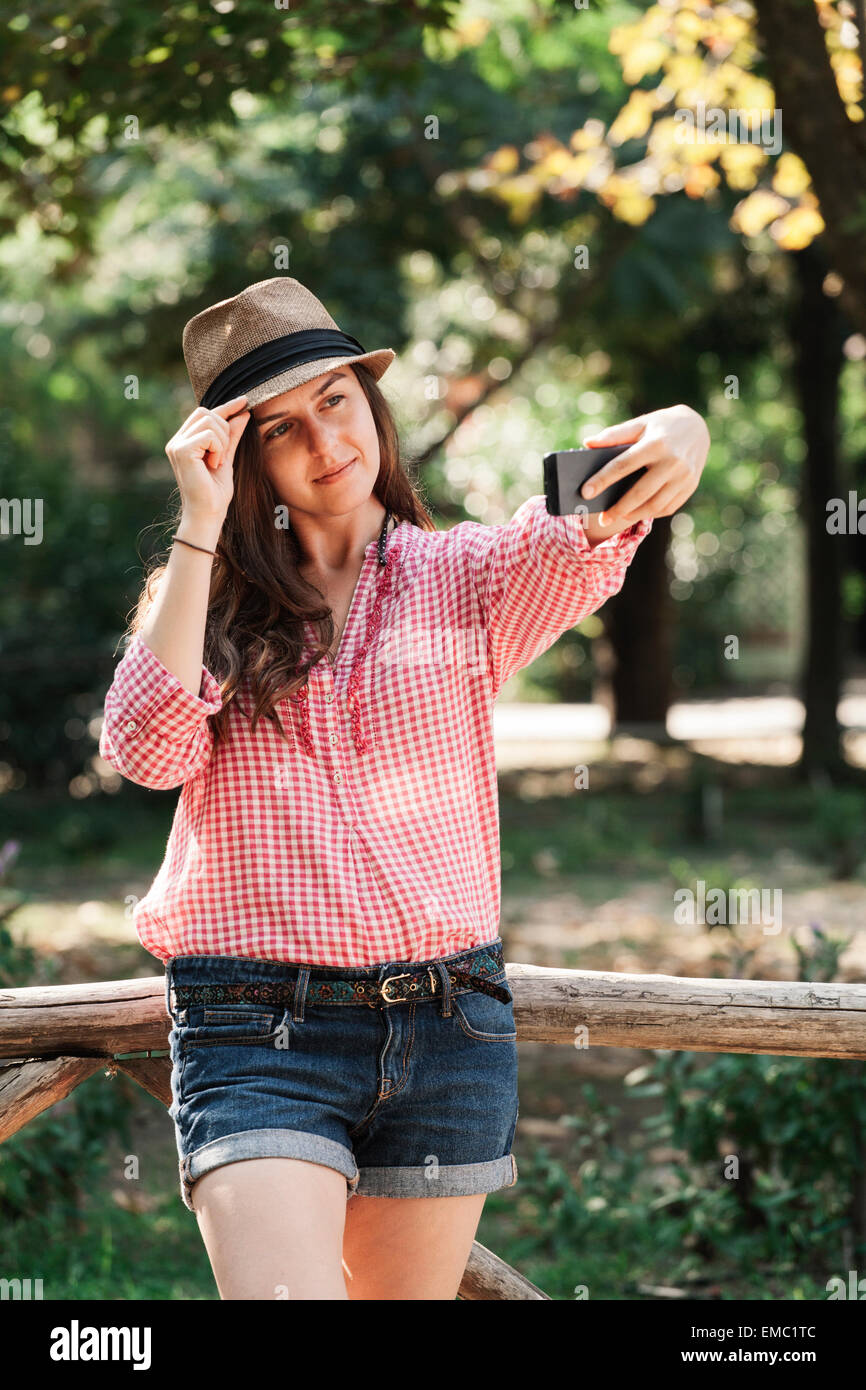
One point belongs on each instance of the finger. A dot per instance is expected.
(669, 500)
(209, 439)
(202, 410)
(640, 455)
(641, 494)
(626, 433)
(643, 509)
(223, 432)
(210, 421)
(237, 427)
(230, 407)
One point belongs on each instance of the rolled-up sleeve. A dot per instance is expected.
(537, 576)
(154, 731)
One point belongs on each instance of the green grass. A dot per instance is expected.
(117, 1255)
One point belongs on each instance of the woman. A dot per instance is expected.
(328, 904)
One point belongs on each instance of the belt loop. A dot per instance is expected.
(300, 993)
(442, 972)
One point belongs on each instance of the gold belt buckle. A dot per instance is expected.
(386, 983)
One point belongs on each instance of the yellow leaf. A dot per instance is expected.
(626, 200)
(554, 164)
(742, 163)
(577, 170)
(504, 160)
(473, 31)
(521, 194)
(798, 229)
(588, 137)
(746, 90)
(791, 177)
(643, 58)
(700, 180)
(754, 213)
(690, 29)
(665, 138)
(849, 75)
(634, 208)
(634, 119)
(687, 75)
(729, 30)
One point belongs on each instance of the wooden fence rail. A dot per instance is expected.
(53, 1037)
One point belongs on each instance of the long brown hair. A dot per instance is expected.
(258, 599)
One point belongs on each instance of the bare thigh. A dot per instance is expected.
(408, 1247)
(273, 1228)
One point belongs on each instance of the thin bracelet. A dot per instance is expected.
(194, 547)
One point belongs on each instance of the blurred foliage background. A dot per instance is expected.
(433, 187)
(498, 190)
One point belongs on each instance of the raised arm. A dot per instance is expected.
(541, 574)
(538, 575)
(155, 728)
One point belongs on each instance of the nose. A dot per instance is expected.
(322, 439)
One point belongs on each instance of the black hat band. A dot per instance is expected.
(276, 357)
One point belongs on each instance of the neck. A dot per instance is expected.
(331, 545)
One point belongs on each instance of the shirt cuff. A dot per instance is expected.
(617, 549)
(145, 688)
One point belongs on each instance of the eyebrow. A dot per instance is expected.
(281, 414)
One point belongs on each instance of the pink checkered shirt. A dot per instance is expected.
(373, 834)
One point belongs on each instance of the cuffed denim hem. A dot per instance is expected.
(456, 1180)
(267, 1143)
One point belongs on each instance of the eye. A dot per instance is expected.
(274, 434)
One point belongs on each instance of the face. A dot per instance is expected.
(312, 430)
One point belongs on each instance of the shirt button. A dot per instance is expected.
(335, 738)
(329, 698)
(338, 776)
(131, 726)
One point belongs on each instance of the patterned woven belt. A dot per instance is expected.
(420, 983)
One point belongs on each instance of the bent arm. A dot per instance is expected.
(155, 732)
(539, 575)
(155, 728)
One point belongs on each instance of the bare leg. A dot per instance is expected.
(408, 1247)
(273, 1228)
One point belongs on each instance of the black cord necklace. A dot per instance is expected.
(383, 537)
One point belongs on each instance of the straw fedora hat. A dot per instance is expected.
(272, 336)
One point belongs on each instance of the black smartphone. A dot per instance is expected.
(567, 470)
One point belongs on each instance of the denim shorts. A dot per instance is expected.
(404, 1097)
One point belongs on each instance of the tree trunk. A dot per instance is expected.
(818, 128)
(818, 334)
(639, 633)
(858, 563)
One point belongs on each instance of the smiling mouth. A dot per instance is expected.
(338, 473)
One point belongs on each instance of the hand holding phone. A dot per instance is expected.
(565, 472)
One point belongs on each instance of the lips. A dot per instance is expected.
(338, 473)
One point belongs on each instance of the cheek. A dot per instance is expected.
(369, 439)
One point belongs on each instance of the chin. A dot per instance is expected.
(344, 497)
